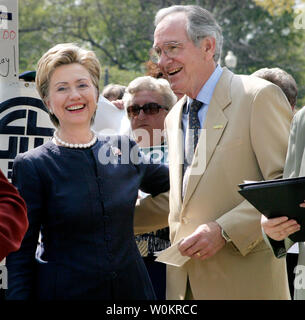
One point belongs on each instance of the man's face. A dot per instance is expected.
(191, 66)
(148, 122)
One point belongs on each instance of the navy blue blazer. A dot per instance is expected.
(82, 202)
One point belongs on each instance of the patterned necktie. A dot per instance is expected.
(191, 139)
(192, 134)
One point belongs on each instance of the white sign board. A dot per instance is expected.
(9, 55)
(24, 122)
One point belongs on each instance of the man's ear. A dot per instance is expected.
(208, 46)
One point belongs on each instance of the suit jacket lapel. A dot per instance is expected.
(214, 126)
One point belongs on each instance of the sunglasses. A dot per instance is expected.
(148, 108)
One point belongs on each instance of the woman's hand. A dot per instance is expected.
(119, 104)
(279, 228)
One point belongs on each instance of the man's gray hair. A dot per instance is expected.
(200, 24)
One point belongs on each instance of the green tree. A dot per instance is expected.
(277, 7)
(119, 31)
(260, 33)
(34, 22)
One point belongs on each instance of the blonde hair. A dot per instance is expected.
(63, 54)
(148, 83)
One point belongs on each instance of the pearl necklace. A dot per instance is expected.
(77, 145)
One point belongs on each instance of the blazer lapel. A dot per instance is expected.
(214, 126)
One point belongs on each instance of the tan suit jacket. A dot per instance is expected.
(247, 129)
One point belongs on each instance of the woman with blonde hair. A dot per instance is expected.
(80, 191)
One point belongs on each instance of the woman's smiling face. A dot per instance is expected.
(72, 95)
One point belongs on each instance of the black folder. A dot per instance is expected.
(281, 197)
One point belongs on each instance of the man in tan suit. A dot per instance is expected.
(245, 122)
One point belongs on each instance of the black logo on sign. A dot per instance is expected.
(22, 134)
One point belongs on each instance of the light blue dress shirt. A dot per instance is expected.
(205, 96)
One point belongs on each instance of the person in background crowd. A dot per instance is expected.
(80, 192)
(287, 83)
(147, 101)
(153, 70)
(246, 124)
(282, 79)
(156, 98)
(277, 230)
(113, 92)
(13, 223)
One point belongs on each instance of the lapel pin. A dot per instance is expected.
(116, 151)
(218, 126)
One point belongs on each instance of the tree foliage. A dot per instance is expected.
(277, 7)
(259, 32)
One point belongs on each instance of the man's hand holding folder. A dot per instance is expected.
(279, 228)
(280, 199)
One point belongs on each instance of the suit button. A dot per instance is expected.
(185, 220)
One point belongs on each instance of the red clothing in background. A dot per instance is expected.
(13, 218)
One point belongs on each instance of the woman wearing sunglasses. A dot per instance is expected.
(147, 101)
(80, 191)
